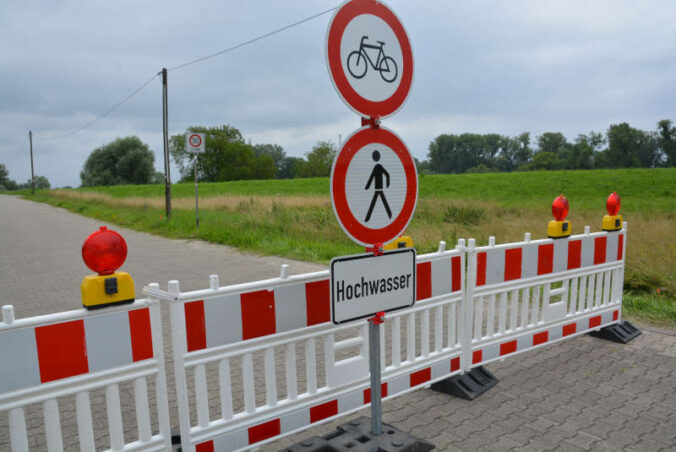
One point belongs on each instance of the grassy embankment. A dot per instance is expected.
(294, 218)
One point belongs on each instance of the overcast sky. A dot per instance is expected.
(503, 67)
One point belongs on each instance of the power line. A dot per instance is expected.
(106, 113)
(251, 41)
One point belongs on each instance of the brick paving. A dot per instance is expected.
(580, 394)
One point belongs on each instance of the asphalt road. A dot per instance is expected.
(581, 394)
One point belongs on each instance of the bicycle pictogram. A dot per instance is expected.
(359, 60)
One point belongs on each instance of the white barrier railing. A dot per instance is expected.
(72, 354)
(311, 370)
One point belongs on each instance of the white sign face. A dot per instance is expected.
(195, 143)
(364, 284)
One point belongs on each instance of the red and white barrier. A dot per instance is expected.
(74, 352)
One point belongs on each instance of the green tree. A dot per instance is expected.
(545, 161)
(319, 160)
(630, 147)
(227, 157)
(5, 182)
(41, 182)
(552, 142)
(667, 140)
(291, 167)
(123, 161)
(275, 151)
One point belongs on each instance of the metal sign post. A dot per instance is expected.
(195, 144)
(197, 212)
(374, 368)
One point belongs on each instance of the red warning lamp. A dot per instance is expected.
(612, 221)
(559, 227)
(104, 251)
(613, 203)
(560, 208)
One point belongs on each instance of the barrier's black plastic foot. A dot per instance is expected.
(622, 332)
(356, 436)
(469, 385)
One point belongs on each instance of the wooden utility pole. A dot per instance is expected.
(165, 124)
(30, 139)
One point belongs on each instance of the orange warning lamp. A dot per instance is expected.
(612, 221)
(104, 251)
(559, 227)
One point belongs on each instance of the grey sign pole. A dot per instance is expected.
(374, 367)
(197, 212)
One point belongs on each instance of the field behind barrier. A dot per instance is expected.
(294, 218)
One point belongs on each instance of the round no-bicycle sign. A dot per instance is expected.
(369, 58)
(195, 143)
(374, 186)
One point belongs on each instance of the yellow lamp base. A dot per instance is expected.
(611, 222)
(402, 242)
(558, 229)
(105, 290)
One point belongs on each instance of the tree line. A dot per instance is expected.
(7, 184)
(622, 146)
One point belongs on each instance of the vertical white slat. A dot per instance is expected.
(565, 286)
(329, 359)
(451, 316)
(515, 309)
(161, 397)
(617, 285)
(502, 321)
(525, 297)
(582, 299)
(84, 421)
(607, 287)
(599, 290)
(425, 333)
(410, 337)
(478, 318)
(290, 368)
(201, 395)
(310, 366)
(270, 377)
(17, 430)
(396, 342)
(590, 291)
(490, 318)
(142, 409)
(225, 388)
(535, 306)
(52, 426)
(248, 383)
(114, 412)
(438, 328)
(383, 347)
(573, 295)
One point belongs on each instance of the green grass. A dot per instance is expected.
(650, 307)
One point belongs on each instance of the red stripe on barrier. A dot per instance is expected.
(477, 356)
(367, 393)
(420, 377)
(540, 338)
(318, 302)
(616, 315)
(455, 274)
(513, 264)
(423, 280)
(507, 347)
(574, 254)
(264, 431)
(62, 350)
(545, 258)
(599, 250)
(569, 329)
(620, 246)
(319, 412)
(258, 314)
(595, 321)
(207, 446)
(455, 364)
(196, 332)
(141, 334)
(481, 269)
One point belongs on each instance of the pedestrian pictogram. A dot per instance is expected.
(369, 58)
(374, 186)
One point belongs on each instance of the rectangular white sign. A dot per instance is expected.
(364, 284)
(194, 143)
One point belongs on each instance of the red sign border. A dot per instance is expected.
(360, 105)
(195, 134)
(352, 227)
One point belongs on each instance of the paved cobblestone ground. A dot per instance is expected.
(581, 394)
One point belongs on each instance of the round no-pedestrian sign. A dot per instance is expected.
(369, 58)
(374, 186)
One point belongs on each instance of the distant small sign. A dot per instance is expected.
(194, 143)
(364, 284)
